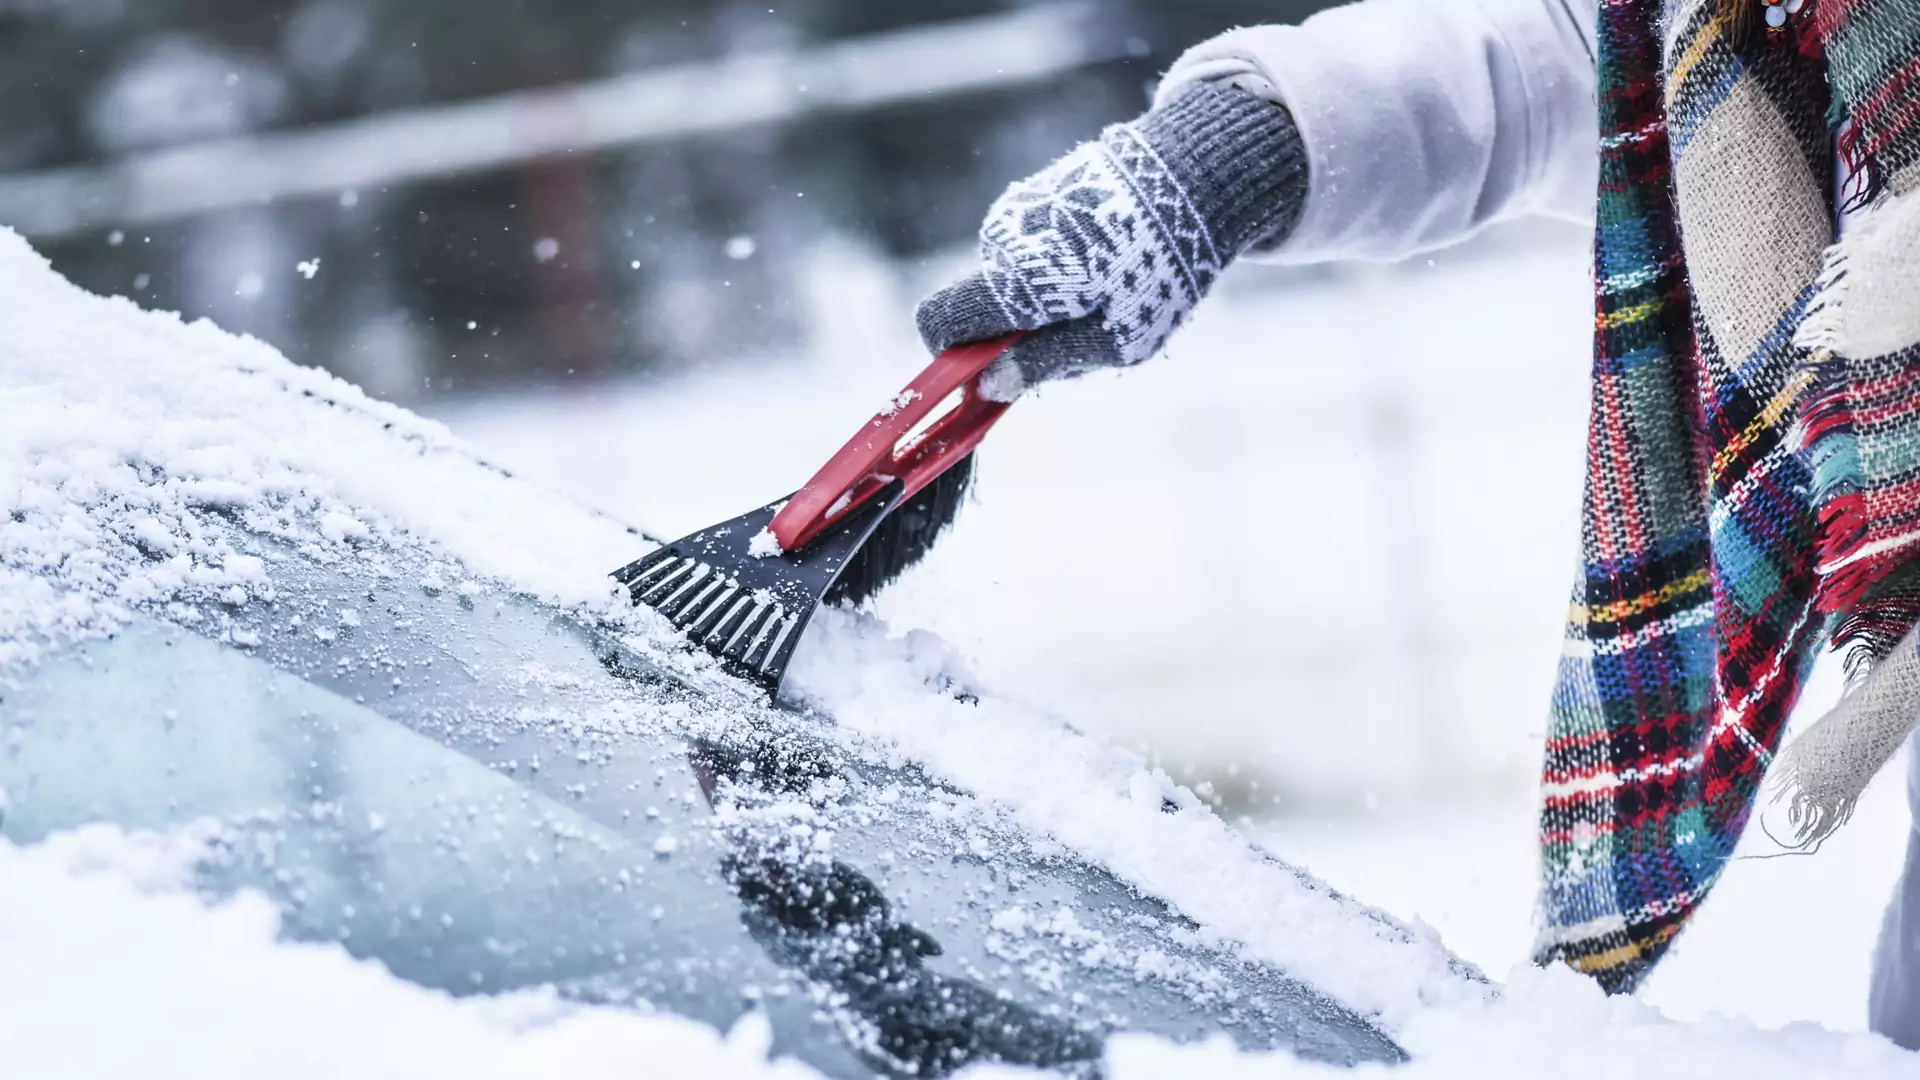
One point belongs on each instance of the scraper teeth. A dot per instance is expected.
(760, 636)
(727, 623)
(656, 586)
(756, 652)
(632, 576)
(699, 615)
(693, 602)
(689, 590)
(778, 639)
(744, 639)
(748, 615)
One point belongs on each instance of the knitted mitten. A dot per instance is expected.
(1105, 251)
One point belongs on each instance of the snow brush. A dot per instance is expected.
(746, 588)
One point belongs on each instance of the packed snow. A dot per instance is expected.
(113, 968)
(120, 430)
(123, 429)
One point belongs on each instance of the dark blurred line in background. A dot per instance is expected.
(437, 196)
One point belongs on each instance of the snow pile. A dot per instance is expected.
(96, 932)
(1551, 1024)
(111, 970)
(1105, 803)
(123, 431)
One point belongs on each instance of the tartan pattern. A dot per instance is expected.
(1875, 73)
(1862, 420)
(1692, 624)
(1862, 435)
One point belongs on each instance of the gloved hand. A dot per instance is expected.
(1106, 251)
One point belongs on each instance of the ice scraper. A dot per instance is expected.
(745, 589)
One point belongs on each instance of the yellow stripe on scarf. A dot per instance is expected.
(1768, 418)
(1626, 609)
(1690, 59)
(1629, 315)
(1621, 954)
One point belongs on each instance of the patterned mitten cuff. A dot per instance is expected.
(1239, 158)
(1137, 224)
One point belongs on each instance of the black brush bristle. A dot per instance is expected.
(904, 537)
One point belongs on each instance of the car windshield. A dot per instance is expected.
(485, 794)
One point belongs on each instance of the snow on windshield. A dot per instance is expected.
(126, 430)
(124, 434)
(122, 431)
(97, 930)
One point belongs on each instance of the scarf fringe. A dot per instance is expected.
(1865, 179)
(1860, 315)
(1861, 278)
(1870, 632)
(1813, 814)
(1821, 327)
(1821, 775)
(1826, 439)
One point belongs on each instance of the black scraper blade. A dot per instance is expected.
(746, 608)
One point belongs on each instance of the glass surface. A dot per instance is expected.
(484, 794)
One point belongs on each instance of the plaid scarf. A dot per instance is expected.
(1753, 456)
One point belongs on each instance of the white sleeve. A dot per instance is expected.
(1423, 120)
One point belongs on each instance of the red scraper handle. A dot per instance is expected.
(898, 444)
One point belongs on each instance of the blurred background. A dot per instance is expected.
(574, 178)
(664, 254)
(628, 246)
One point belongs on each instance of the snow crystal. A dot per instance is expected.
(665, 846)
(306, 268)
(900, 401)
(340, 527)
(741, 248)
(153, 536)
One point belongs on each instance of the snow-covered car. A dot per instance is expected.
(393, 689)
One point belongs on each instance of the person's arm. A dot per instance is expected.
(1423, 120)
(1375, 130)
